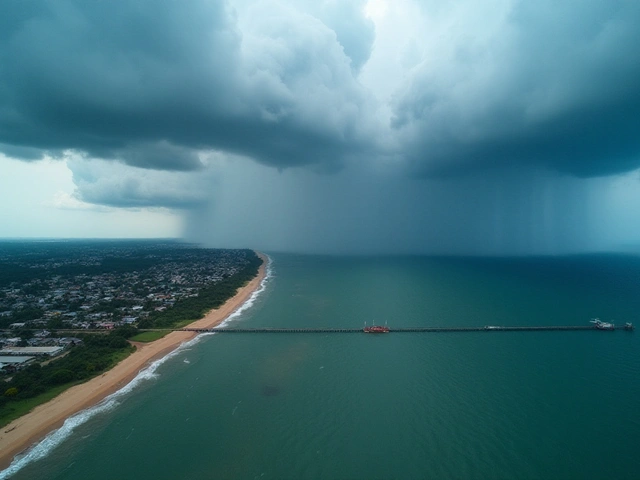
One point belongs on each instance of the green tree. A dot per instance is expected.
(27, 314)
(61, 376)
(125, 331)
(55, 322)
(11, 392)
(25, 334)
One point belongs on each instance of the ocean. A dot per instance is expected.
(458, 405)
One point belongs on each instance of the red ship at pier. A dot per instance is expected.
(376, 329)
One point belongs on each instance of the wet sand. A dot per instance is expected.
(32, 427)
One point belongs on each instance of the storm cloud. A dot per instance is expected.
(460, 126)
(150, 83)
(541, 83)
(112, 79)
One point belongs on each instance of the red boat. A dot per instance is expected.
(376, 329)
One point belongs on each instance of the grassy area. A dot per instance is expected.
(149, 336)
(184, 323)
(117, 357)
(13, 410)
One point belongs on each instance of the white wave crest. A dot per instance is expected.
(55, 438)
(252, 299)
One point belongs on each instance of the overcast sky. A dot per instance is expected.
(468, 126)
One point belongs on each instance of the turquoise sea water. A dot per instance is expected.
(429, 405)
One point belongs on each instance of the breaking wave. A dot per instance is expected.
(56, 437)
(254, 296)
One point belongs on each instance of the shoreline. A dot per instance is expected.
(32, 427)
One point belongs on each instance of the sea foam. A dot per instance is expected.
(56, 437)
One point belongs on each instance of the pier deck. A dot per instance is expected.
(400, 330)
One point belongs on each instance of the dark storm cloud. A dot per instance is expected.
(152, 83)
(557, 86)
(109, 78)
(161, 155)
(27, 153)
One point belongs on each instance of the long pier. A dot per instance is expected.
(488, 328)
(403, 330)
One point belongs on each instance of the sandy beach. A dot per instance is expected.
(32, 427)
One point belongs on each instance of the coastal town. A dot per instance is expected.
(49, 291)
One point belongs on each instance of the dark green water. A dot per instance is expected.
(432, 405)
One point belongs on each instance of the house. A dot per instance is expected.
(12, 363)
(31, 351)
